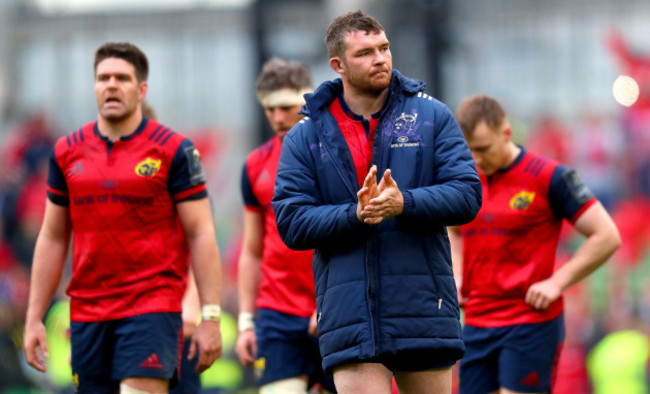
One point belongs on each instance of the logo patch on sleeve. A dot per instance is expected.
(194, 165)
(578, 189)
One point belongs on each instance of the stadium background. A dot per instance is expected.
(552, 64)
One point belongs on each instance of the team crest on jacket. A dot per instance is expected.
(403, 130)
(148, 167)
(405, 123)
(522, 200)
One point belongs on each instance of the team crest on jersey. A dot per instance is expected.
(148, 167)
(522, 200)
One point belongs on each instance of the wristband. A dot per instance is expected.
(246, 321)
(211, 312)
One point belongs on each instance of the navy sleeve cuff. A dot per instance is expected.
(409, 204)
(57, 199)
(352, 215)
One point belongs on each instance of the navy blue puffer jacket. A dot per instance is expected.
(387, 287)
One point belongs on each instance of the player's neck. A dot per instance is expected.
(114, 130)
(364, 104)
(513, 153)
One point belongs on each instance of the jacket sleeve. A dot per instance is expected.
(303, 220)
(455, 197)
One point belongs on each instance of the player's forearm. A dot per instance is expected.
(191, 303)
(206, 264)
(196, 218)
(249, 280)
(47, 268)
(593, 253)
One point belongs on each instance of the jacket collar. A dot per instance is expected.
(321, 98)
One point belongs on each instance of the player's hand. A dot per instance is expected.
(542, 294)
(389, 203)
(246, 346)
(368, 190)
(207, 341)
(313, 324)
(35, 345)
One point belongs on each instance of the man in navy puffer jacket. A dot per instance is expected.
(385, 291)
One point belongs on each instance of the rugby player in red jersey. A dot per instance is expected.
(131, 194)
(277, 302)
(510, 289)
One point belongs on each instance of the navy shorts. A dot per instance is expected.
(189, 381)
(104, 353)
(521, 357)
(285, 349)
(415, 360)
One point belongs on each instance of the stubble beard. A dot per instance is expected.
(366, 86)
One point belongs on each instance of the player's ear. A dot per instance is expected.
(507, 131)
(142, 89)
(336, 64)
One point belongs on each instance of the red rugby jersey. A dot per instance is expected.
(130, 255)
(359, 133)
(287, 278)
(512, 242)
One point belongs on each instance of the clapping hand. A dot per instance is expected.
(379, 202)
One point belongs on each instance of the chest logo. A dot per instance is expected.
(148, 167)
(405, 124)
(77, 169)
(109, 184)
(403, 131)
(522, 200)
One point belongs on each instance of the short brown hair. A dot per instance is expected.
(127, 52)
(478, 108)
(348, 23)
(280, 74)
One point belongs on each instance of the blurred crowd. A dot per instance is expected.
(607, 316)
(24, 154)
